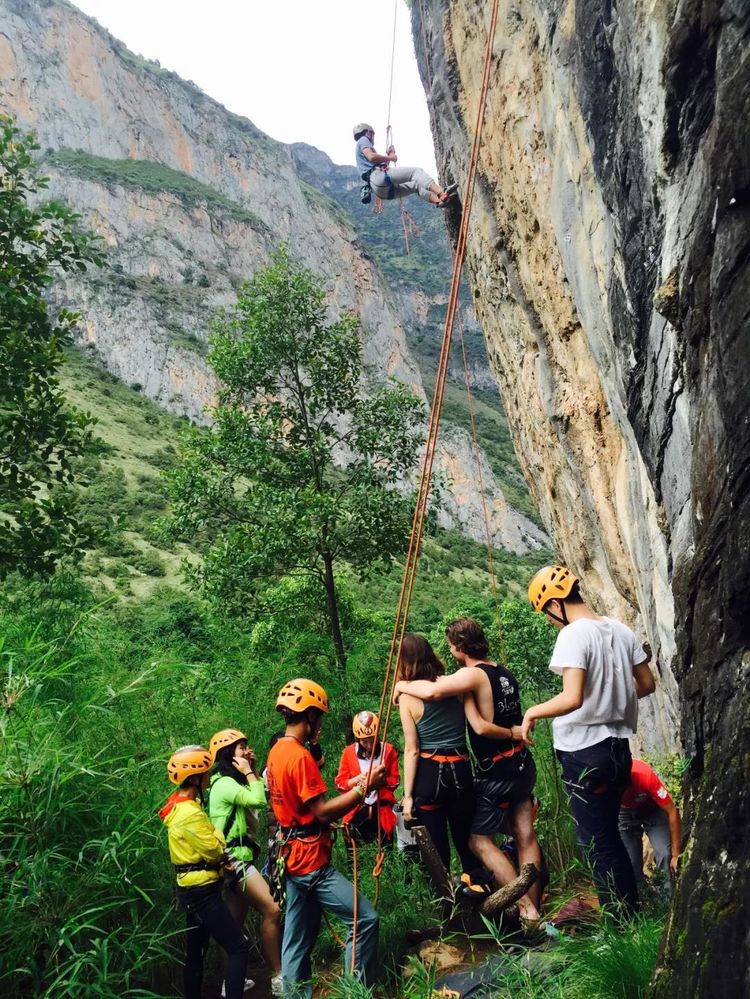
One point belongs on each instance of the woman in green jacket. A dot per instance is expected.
(235, 791)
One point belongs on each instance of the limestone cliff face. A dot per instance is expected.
(180, 239)
(609, 255)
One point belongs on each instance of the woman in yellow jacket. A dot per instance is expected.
(196, 849)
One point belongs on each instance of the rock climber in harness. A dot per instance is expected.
(646, 807)
(297, 793)
(234, 792)
(505, 770)
(377, 808)
(604, 672)
(196, 849)
(388, 182)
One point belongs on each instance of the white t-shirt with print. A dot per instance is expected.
(607, 650)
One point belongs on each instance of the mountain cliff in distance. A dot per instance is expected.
(190, 200)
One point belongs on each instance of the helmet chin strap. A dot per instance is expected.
(564, 619)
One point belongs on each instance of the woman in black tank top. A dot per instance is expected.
(438, 780)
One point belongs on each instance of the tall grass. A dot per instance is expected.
(93, 697)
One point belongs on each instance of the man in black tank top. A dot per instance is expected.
(505, 771)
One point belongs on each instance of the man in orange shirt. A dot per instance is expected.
(297, 792)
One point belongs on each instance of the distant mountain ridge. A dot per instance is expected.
(190, 200)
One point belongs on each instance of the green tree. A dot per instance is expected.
(40, 434)
(301, 470)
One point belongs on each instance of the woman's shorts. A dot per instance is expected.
(496, 799)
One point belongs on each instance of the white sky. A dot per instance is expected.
(301, 70)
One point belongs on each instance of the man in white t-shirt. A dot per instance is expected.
(604, 671)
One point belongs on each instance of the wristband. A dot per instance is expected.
(360, 790)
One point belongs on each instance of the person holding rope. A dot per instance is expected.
(505, 772)
(376, 811)
(196, 849)
(604, 672)
(234, 792)
(297, 793)
(388, 182)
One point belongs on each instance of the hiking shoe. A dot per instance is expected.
(474, 890)
(249, 984)
(277, 985)
(447, 196)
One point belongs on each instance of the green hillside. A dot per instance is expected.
(138, 440)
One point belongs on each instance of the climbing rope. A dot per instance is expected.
(409, 227)
(425, 476)
(407, 586)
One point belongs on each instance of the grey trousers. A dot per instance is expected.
(654, 823)
(306, 897)
(405, 180)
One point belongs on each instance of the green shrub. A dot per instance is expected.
(145, 175)
(149, 563)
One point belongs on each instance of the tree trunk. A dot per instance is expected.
(433, 863)
(333, 613)
(511, 892)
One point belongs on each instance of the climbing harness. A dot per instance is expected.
(278, 851)
(199, 865)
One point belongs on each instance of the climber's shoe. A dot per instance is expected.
(447, 194)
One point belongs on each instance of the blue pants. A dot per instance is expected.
(595, 778)
(306, 897)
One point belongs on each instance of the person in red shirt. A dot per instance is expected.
(362, 821)
(646, 807)
(297, 794)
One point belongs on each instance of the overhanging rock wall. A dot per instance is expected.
(609, 258)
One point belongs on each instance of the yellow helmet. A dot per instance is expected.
(185, 762)
(224, 738)
(299, 695)
(553, 582)
(364, 725)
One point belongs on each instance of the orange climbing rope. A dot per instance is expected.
(423, 491)
(425, 477)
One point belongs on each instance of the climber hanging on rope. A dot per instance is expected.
(388, 182)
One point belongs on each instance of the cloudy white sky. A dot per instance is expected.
(301, 70)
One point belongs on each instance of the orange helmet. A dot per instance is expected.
(553, 582)
(224, 738)
(299, 695)
(364, 725)
(185, 762)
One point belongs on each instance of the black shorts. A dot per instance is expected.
(497, 796)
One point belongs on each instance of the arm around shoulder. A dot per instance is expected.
(643, 679)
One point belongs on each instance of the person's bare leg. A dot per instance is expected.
(237, 903)
(259, 897)
(529, 851)
(495, 860)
